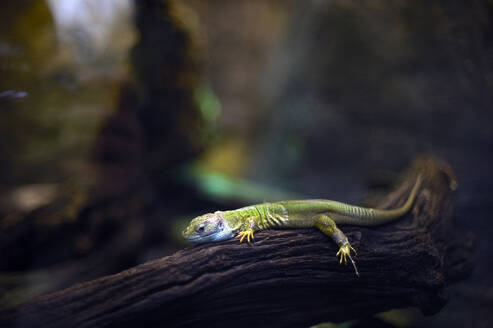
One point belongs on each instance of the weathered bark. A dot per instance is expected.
(287, 278)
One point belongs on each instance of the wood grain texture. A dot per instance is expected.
(288, 278)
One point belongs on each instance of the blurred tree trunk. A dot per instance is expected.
(107, 223)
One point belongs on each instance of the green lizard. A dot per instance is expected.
(319, 213)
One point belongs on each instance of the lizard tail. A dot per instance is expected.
(384, 216)
(355, 215)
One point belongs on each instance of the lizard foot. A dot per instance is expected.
(247, 234)
(345, 252)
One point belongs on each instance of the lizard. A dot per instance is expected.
(319, 213)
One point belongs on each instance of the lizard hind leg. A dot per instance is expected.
(328, 227)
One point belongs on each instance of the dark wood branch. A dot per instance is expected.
(288, 278)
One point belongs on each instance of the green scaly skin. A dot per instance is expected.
(319, 213)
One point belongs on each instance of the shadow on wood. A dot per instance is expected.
(288, 278)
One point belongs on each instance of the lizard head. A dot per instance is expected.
(208, 227)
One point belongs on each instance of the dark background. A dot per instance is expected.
(120, 122)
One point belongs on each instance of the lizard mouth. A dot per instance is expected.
(195, 238)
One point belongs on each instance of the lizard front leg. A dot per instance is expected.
(328, 227)
(247, 231)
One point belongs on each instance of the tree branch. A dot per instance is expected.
(287, 278)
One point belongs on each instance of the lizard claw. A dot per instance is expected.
(345, 252)
(248, 234)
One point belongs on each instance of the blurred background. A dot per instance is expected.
(120, 120)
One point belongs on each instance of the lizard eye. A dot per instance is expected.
(200, 229)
